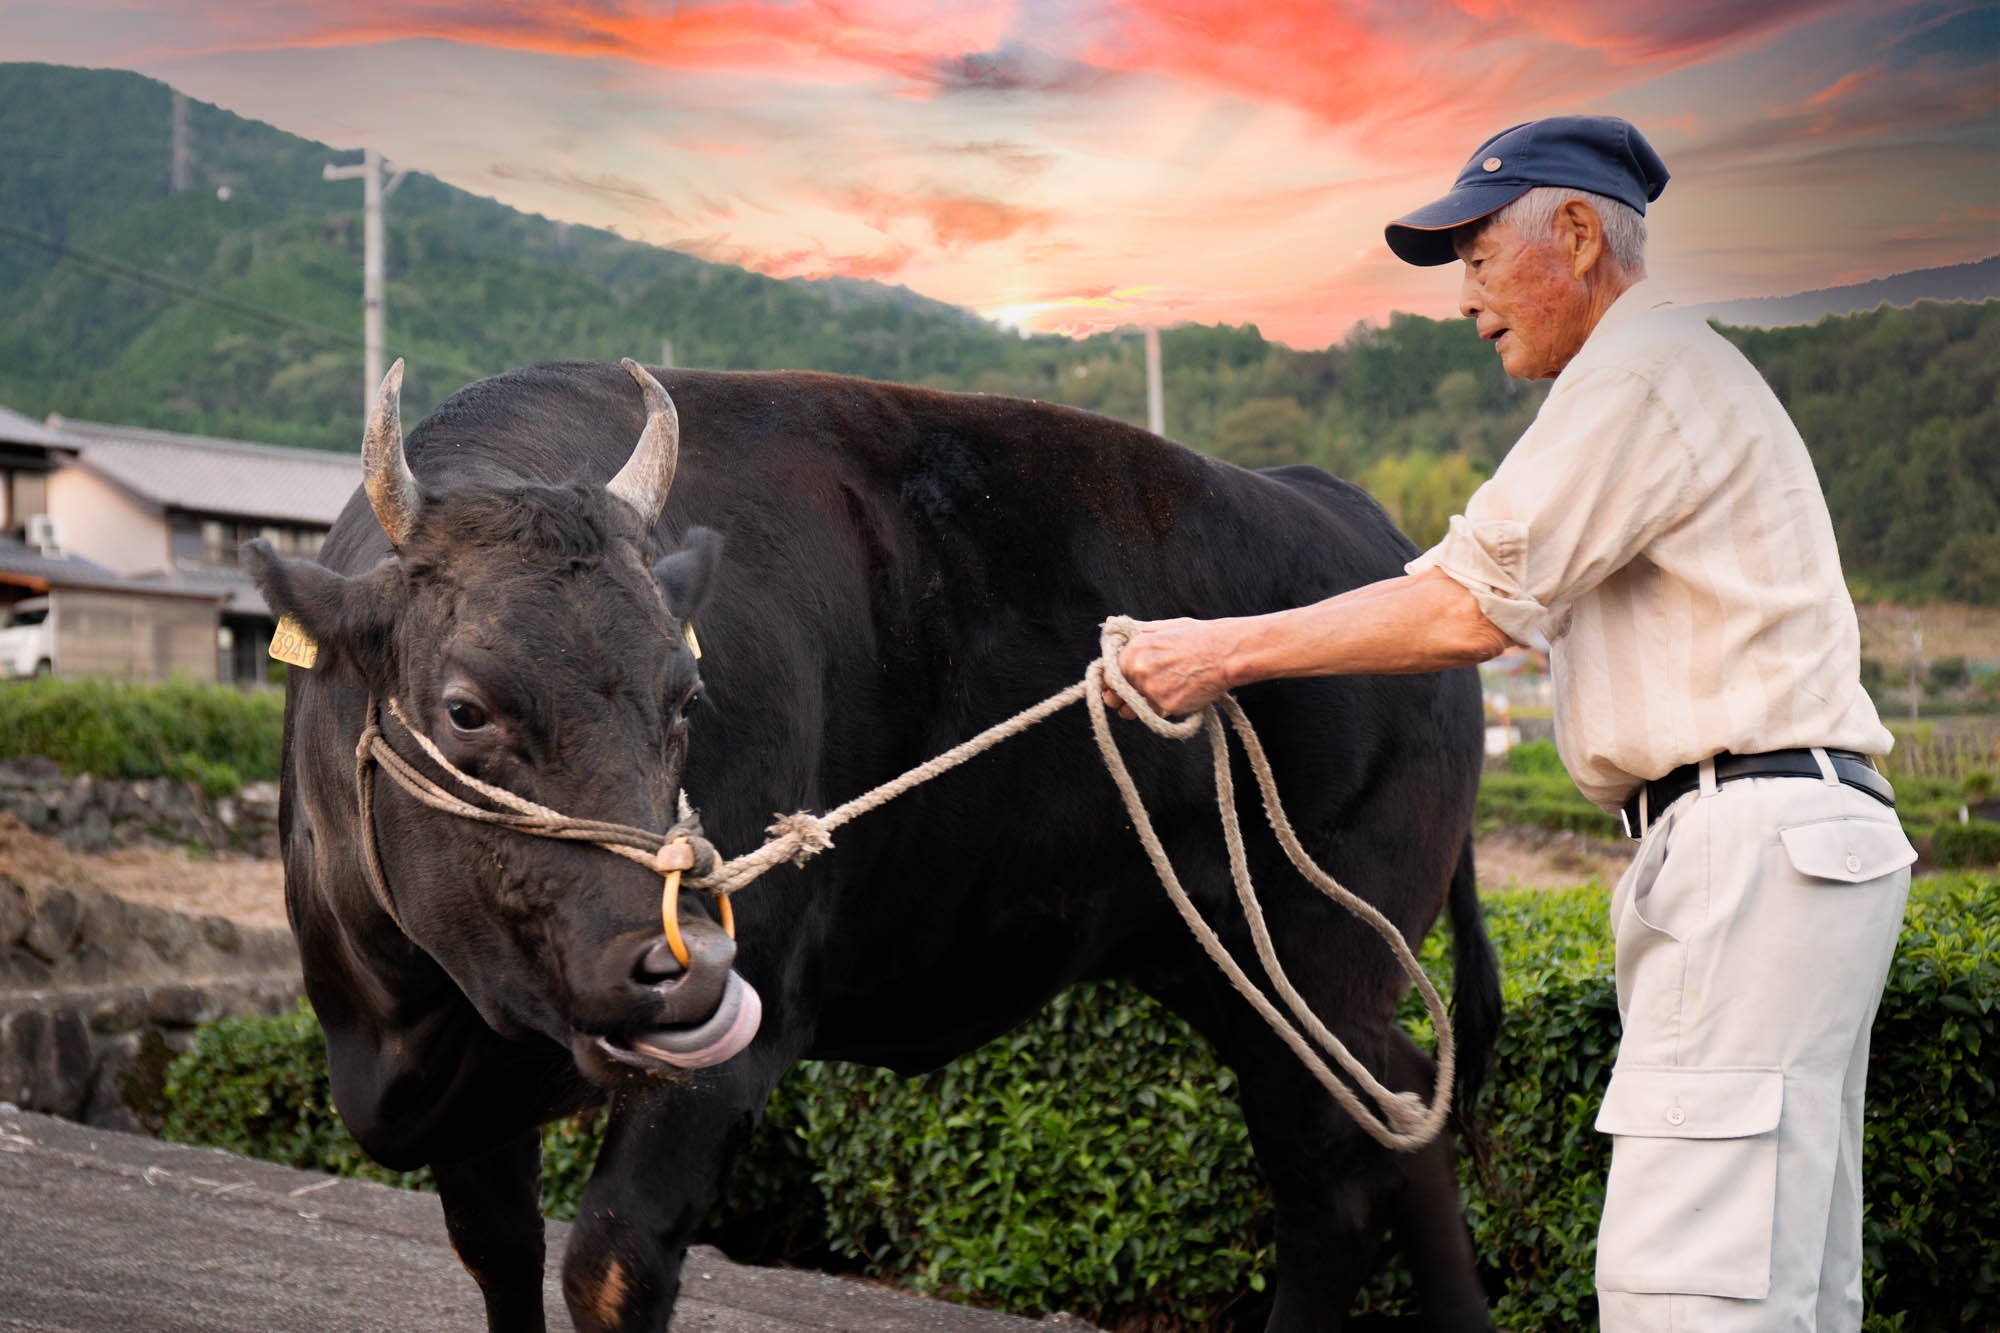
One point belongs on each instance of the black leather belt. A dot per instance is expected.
(1854, 770)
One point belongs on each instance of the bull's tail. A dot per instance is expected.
(1475, 1001)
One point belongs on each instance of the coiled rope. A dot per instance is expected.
(1403, 1122)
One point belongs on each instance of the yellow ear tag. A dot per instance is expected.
(291, 645)
(694, 644)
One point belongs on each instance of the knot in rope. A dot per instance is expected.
(805, 834)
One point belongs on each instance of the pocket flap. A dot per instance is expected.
(1850, 850)
(1667, 1102)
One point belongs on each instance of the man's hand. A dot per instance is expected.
(1180, 666)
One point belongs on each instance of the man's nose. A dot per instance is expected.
(1469, 303)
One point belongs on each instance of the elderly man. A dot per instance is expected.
(1660, 529)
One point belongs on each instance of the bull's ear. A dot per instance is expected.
(688, 575)
(351, 619)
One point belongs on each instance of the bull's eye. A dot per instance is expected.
(465, 714)
(692, 702)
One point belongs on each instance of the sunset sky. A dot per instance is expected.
(1078, 165)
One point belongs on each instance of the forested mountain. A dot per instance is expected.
(121, 300)
(1977, 281)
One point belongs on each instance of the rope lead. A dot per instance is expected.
(1397, 1120)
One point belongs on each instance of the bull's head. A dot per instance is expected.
(530, 631)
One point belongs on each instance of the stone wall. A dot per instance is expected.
(97, 995)
(90, 814)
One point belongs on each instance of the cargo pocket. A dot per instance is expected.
(1848, 850)
(1689, 1204)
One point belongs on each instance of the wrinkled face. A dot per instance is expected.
(1524, 293)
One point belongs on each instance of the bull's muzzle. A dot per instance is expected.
(686, 1017)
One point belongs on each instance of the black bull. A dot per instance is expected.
(899, 568)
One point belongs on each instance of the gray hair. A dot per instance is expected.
(1624, 228)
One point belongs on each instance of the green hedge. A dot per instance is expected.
(212, 734)
(1094, 1160)
(1973, 843)
(1530, 789)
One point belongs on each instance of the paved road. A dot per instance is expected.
(107, 1231)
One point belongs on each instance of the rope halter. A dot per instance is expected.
(1403, 1122)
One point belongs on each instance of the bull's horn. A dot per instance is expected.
(392, 488)
(648, 474)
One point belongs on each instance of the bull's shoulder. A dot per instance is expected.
(1353, 509)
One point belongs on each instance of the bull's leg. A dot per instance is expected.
(492, 1210)
(667, 1153)
(1337, 1191)
(1430, 1219)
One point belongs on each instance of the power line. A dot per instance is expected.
(188, 292)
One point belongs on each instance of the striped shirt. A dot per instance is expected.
(1660, 529)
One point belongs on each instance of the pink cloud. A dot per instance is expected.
(954, 220)
(1843, 85)
(805, 261)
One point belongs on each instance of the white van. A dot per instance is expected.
(28, 641)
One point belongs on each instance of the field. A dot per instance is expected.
(1949, 629)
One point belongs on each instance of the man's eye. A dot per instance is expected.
(464, 714)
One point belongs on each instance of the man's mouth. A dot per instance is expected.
(1496, 335)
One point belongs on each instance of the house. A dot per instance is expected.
(133, 537)
(172, 511)
(65, 612)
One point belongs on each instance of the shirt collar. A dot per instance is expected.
(1641, 296)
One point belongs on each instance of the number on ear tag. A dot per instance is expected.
(291, 645)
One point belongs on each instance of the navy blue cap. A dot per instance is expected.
(1601, 154)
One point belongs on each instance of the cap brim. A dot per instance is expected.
(1423, 236)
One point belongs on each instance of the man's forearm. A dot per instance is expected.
(1413, 623)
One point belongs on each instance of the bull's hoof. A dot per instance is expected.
(726, 1033)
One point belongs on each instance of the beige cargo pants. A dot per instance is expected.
(1754, 931)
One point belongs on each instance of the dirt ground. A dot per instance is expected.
(1535, 859)
(252, 891)
(243, 889)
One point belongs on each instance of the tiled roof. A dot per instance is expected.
(240, 597)
(20, 562)
(223, 477)
(16, 428)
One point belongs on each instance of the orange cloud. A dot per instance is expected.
(954, 220)
(731, 34)
(1843, 85)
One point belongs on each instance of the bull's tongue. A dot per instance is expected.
(725, 1034)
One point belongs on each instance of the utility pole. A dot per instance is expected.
(373, 191)
(1156, 396)
(183, 174)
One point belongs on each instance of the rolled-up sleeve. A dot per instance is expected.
(1488, 558)
(1599, 474)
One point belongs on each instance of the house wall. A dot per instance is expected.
(102, 522)
(133, 637)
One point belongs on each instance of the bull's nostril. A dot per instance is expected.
(657, 964)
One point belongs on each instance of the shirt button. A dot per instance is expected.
(1676, 1116)
(1853, 864)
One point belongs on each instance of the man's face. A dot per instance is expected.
(1525, 294)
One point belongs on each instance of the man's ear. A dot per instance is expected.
(1583, 230)
(688, 575)
(352, 620)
